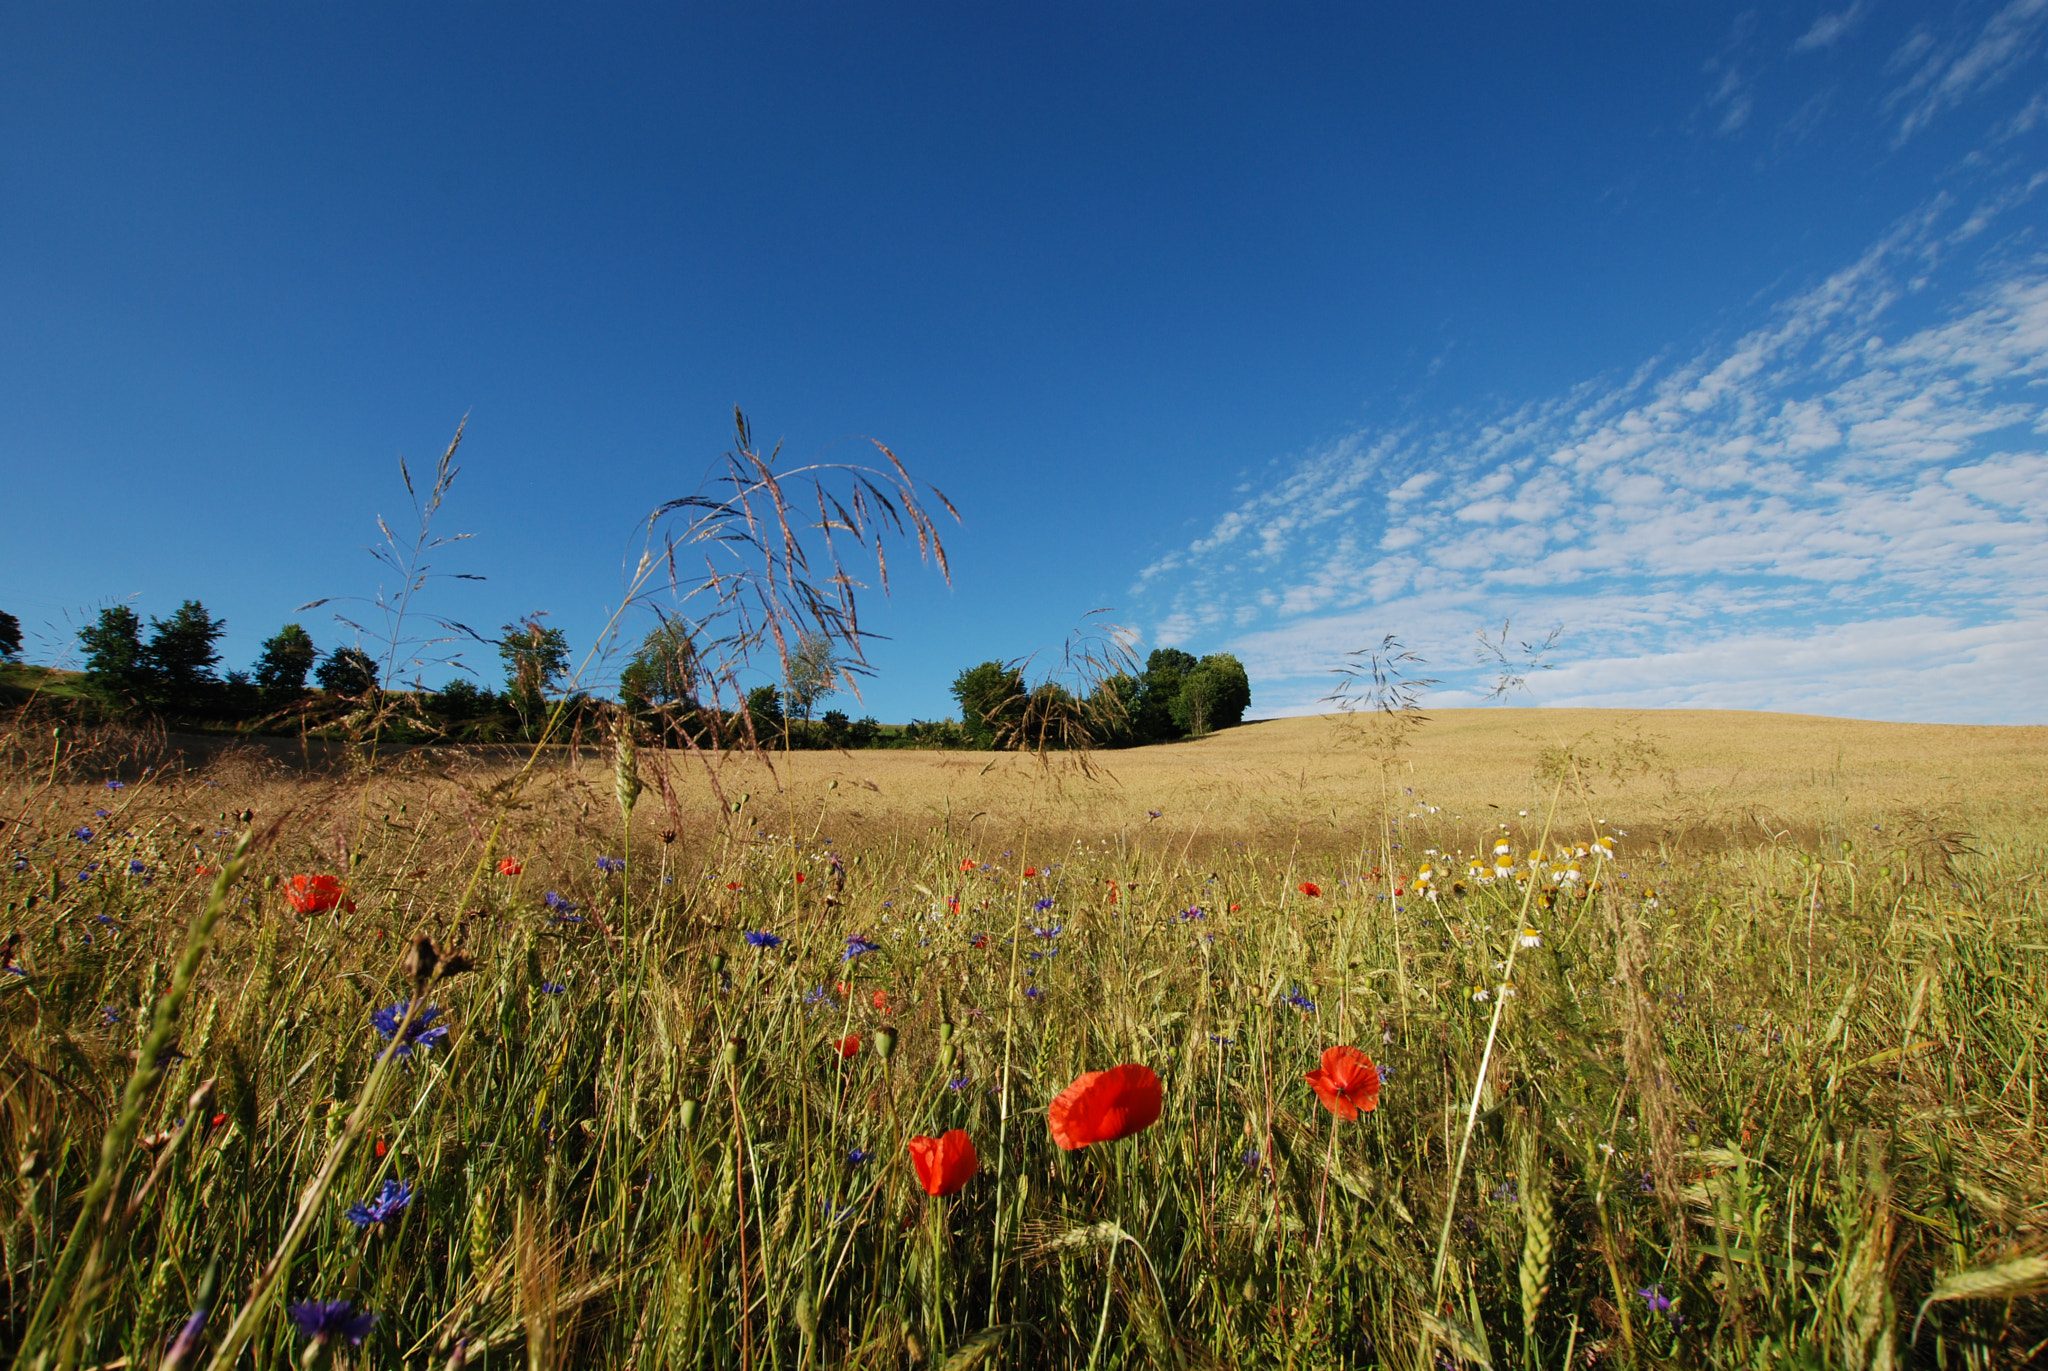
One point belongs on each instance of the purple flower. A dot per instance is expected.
(858, 946)
(419, 1033)
(388, 1204)
(1659, 1302)
(1301, 1001)
(325, 1320)
(552, 988)
(560, 911)
(856, 1156)
(611, 864)
(959, 1083)
(115, 785)
(1032, 992)
(1043, 905)
(1052, 932)
(1192, 913)
(759, 939)
(136, 866)
(82, 833)
(187, 1341)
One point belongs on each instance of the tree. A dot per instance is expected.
(283, 665)
(536, 662)
(10, 637)
(764, 707)
(113, 652)
(813, 672)
(349, 671)
(991, 700)
(1166, 671)
(463, 699)
(664, 671)
(179, 659)
(1215, 694)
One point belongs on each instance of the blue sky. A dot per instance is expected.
(1715, 336)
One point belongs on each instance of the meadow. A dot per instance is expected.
(1694, 1039)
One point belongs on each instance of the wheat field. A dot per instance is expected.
(1697, 1039)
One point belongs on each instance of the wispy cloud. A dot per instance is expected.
(1830, 28)
(1941, 74)
(1844, 510)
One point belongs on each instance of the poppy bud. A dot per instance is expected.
(355, 859)
(885, 1043)
(806, 1315)
(947, 1052)
(687, 1115)
(270, 882)
(945, 1030)
(246, 815)
(717, 962)
(735, 1050)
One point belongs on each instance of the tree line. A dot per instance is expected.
(170, 668)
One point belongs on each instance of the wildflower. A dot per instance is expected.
(819, 996)
(116, 785)
(204, 870)
(314, 894)
(1103, 1106)
(799, 878)
(847, 1046)
(1193, 913)
(857, 946)
(1152, 813)
(1301, 1001)
(882, 1001)
(1480, 994)
(326, 1320)
(1310, 889)
(552, 988)
(732, 885)
(945, 1163)
(610, 864)
(1347, 1083)
(110, 1014)
(855, 1156)
(1531, 938)
(1030, 873)
(103, 813)
(1042, 905)
(1052, 932)
(137, 867)
(510, 866)
(82, 833)
(756, 938)
(968, 864)
(420, 1033)
(388, 1204)
(959, 1082)
(1658, 1301)
(1032, 992)
(560, 911)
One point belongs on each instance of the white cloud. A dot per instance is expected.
(1817, 516)
(1830, 29)
(1946, 74)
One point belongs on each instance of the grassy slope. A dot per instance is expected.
(1787, 1086)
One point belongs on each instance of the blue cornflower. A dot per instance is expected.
(1660, 1303)
(1251, 1158)
(1042, 905)
(21, 861)
(1219, 1040)
(116, 785)
(552, 988)
(136, 866)
(759, 939)
(856, 1156)
(1301, 1001)
(82, 833)
(611, 864)
(1052, 932)
(858, 946)
(560, 911)
(325, 1320)
(1032, 992)
(960, 1083)
(1386, 1074)
(418, 1034)
(1192, 913)
(86, 874)
(818, 996)
(1153, 813)
(110, 1014)
(390, 1201)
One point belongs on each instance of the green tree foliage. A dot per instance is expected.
(284, 663)
(178, 661)
(664, 670)
(813, 671)
(1166, 670)
(113, 652)
(1215, 694)
(536, 663)
(10, 637)
(348, 672)
(992, 699)
(463, 699)
(764, 707)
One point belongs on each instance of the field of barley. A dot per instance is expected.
(1666, 1039)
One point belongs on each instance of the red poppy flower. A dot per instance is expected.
(847, 1045)
(967, 863)
(1112, 892)
(1310, 889)
(208, 871)
(1347, 1081)
(944, 1163)
(882, 1000)
(218, 1120)
(1103, 1106)
(799, 878)
(1398, 892)
(1234, 908)
(1030, 872)
(839, 986)
(509, 866)
(313, 894)
(382, 1147)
